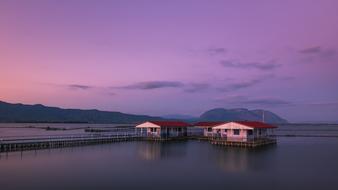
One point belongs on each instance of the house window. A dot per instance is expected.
(179, 129)
(236, 131)
(153, 129)
(250, 132)
(209, 129)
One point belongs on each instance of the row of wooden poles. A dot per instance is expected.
(33, 144)
(250, 144)
(53, 142)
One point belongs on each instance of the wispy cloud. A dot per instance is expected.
(286, 78)
(318, 54)
(149, 85)
(79, 87)
(242, 100)
(311, 50)
(331, 103)
(111, 94)
(197, 87)
(246, 101)
(328, 54)
(269, 65)
(218, 50)
(266, 102)
(245, 84)
(70, 86)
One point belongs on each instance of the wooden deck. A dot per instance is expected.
(183, 138)
(249, 144)
(22, 144)
(34, 143)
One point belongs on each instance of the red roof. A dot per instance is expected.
(171, 123)
(256, 124)
(209, 123)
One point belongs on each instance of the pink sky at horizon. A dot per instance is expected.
(177, 57)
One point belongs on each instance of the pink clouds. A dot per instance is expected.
(191, 51)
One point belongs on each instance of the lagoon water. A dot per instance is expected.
(294, 163)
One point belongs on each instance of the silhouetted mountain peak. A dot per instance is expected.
(240, 114)
(40, 113)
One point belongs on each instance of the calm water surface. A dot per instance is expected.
(295, 163)
(38, 129)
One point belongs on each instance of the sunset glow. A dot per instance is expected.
(172, 57)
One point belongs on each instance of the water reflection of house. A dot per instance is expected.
(243, 131)
(163, 129)
(232, 159)
(150, 150)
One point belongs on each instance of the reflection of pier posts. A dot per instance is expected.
(232, 160)
(49, 142)
(158, 150)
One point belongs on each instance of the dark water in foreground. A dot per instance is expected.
(295, 163)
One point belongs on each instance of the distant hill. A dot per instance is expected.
(179, 116)
(40, 113)
(241, 114)
(21, 113)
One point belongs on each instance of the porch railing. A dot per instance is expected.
(244, 139)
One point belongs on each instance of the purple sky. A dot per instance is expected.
(172, 57)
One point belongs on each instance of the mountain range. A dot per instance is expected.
(241, 114)
(11, 113)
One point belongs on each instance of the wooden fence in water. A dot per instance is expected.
(10, 144)
(45, 142)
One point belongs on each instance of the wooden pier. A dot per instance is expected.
(163, 139)
(249, 143)
(49, 142)
(22, 144)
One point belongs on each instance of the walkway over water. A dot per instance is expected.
(22, 143)
(59, 141)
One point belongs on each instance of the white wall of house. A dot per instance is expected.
(150, 128)
(154, 130)
(232, 130)
(207, 132)
(176, 131)
(232, 125)
(147, 125)
(260, 133)
(236, 131)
